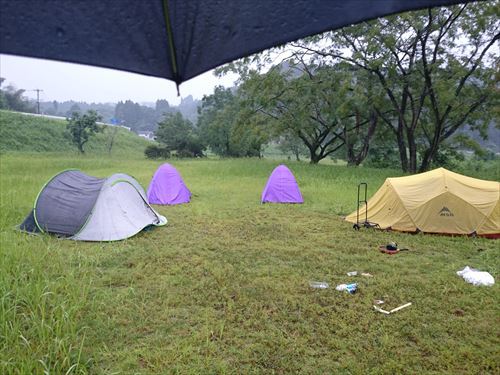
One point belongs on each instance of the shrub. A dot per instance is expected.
(157, 152)
(382, 157)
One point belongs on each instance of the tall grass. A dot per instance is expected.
(224, 287)
(41, 300)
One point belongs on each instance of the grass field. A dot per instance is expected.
(224, 287)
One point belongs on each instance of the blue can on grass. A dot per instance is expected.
(351, 288)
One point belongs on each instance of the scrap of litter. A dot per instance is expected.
(393, 310)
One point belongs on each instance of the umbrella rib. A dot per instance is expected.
(171, 43)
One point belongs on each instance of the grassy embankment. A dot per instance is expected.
(30, 134)
(224, 287)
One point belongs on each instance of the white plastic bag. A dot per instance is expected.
(476, 277)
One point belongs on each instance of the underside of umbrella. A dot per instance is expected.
(174, 39)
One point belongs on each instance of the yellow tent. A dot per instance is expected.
(438, 201)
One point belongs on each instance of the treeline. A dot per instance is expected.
(406, 89)
(66, 108)
(136, 116)
(146, 118)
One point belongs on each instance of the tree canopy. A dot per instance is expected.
(82, 127)
(435, 67)
(420, 75)
(178, 134)
(13, 99)
(228, 127)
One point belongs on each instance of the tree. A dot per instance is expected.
(179, 134)
(113, 131)
(52, 110)
(359, 104)
(315, 104)
(189, 108)
(436, 68)
(162, 107)
(383, 150)
(136, 116)
(289, 143)
(13, 99)
(227, 127)
(75, 108)
(215, 120)
(3, 99)
(82, 127)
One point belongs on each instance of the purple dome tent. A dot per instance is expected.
(167, 187)
(282, 187)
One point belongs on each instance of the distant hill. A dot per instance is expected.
(24, 133)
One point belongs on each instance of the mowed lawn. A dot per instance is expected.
(224, 287)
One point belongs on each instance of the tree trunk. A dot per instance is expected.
(429, 156)
(297, 155)
(402, 147)
(315, 157)
(412, 150)
(356, 159)
(112, 139)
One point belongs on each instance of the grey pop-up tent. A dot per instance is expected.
(81, 207)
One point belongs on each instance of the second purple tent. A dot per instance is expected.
(281, 187)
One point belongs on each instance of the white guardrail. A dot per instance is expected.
(64, 118)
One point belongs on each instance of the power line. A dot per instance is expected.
(37, 99)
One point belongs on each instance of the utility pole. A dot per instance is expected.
(37, 99)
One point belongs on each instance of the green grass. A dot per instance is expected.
(24, 133)
(223, 288)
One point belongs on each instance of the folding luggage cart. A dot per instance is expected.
(365, 223)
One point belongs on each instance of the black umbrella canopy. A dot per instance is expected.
(174, 39)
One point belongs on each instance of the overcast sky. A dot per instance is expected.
(64, 81)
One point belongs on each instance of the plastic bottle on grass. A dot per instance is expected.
(318, 285)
